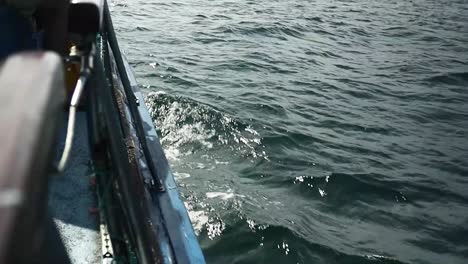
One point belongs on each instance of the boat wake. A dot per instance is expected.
(187, 127)
(202, 144)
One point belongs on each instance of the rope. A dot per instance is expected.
(71, 121)
(68, 140)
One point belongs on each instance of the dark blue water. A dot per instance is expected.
(311, 131)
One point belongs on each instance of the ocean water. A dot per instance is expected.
(311, 131)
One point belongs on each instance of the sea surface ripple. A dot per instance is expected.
(311, 131)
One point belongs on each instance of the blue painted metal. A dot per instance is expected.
(173, 222)
(155, 212)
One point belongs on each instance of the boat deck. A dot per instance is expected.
(71, 197)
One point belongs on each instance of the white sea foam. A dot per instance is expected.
(181, 175)
(221, 195)
(199, 219)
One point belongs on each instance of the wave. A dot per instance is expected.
(252, 243)
(190, 126)
(456, 78)
(276, 29)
